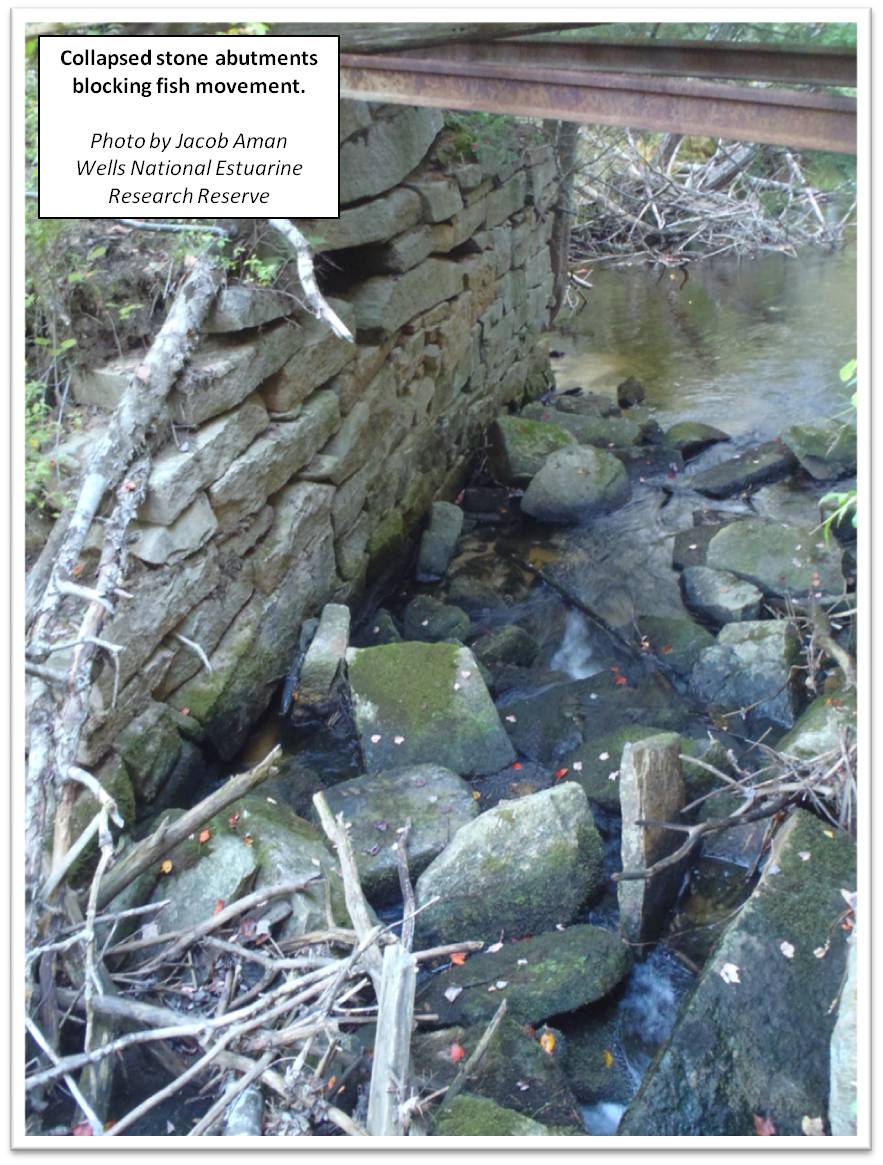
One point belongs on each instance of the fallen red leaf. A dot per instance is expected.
(83, 1129)
(204, 836)
(561, 773)
(219, 905)
(620, 681)
(458, 958)
(457, 1052)
(666, 650)
(763, 1126)
(518, 766)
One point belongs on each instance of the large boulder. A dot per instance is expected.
(598, 429)
(436, 801)
(574, 485)
(752, 1041)
(254, 842)
(547, 975)
(522, 867)
(519, 448)
(507, 646)
(720, 597)
(439, 541)
(769, 462)
(781, 560)
(826, 452)
(425, 703)
(650, 789)
(751, 666)
(476, 1116)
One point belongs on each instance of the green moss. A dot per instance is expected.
(476, 1116)
(412, 680)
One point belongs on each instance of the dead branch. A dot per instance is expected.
(392, 1046)
(167, 836)
(305, 273)
(410, 902)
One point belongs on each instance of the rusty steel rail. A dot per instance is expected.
(713, 60)
(800, 119)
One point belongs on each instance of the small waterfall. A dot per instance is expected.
(649, 1008)
(602, 1119)
(574, 656)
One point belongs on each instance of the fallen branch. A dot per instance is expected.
(307, 276)
(167, 836)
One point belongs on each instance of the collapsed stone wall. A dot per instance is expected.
(302, 462)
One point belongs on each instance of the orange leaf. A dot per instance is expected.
(476, 796)
(204, 836)
(547, 1043)
(764, 1126)
(219, 905)
(620, 681)
(166, 867)
(518, 766)
(457, 1052)
(666, 650)
(331, 1083)
(248, 839)
(458, 958)
(561, 773)
(608, 1058)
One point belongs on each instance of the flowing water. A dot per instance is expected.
(749, 346)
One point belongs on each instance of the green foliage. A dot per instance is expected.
(845, 502)
(40, 430)
(488, 138)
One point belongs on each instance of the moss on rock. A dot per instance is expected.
(476, 1116)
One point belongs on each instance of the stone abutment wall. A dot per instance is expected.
(307, 461)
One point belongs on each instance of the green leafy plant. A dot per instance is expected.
(488, 138)
(844, 502)
(40, 430)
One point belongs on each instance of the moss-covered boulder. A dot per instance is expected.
(826, 452)
(476, 1116)
(518, 447)
(781, 560)
(426, 620)
(254, 842)
(751, 666)
(603, 431)
(720, 597)
(822, 726)
(521, 867)
(692, 437)
(436, 801)
(422, 703)
(595, 1061)
(514, 1072)
(576, 484)
(551, 974)
(753, 1038)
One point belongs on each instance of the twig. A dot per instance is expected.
(196, 649)
(94, 1123)
(458, 1083)
(410, 903)
(223, 1102)
(356, 904)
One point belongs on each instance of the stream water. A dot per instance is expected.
(748, 347)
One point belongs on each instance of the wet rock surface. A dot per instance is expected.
(573, 485)
(729, 1059)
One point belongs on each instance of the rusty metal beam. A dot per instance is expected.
(803, 120)
(714, 60)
